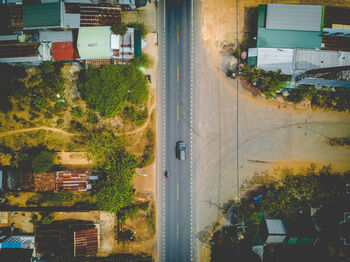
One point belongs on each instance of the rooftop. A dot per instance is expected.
(38, 182)
(94, 42)
(294, 17)
(72, 180)
(48, 14)
(62, 51)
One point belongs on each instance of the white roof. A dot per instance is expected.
(273, 59)
(311, 59)
(294, 17)
(275, 227)
(115, 41)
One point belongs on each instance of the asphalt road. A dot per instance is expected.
(175, 216)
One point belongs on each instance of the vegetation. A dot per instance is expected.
(149, 154)
(92, 118)
(301, 93)
(107, 89)
(47, 218)
(77, 112)
(135, 115)
(132, 210)
(43, 162)
(140, 26)
(119, 29)
(145, 60)
(117, 168)
(269, 83)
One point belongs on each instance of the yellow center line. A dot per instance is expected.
(178, 113)
(177, 191)
(178, 35)
(178, 74)
(177, 230)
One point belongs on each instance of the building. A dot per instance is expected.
(293, 39)
(96, 43)
(75, 237)
(75, 181)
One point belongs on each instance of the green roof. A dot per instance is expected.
(94, 42)
(48, 14)
(288, 39)
(137, 42)
(261, 16)
(252, 61)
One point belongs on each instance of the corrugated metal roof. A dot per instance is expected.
(94, 42)
(294, 17)
(18, 242)
(86, 242)
(275, 227)
(288, 39)
(38, 182)
(137, 42)
(274, 59)
(72, 180)
(312, 59)
(261, 16)
(62, 51)
(37, 15)
(56, 36)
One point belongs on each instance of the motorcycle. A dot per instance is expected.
(166, 174)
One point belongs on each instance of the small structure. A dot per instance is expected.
(273, 230)
(75, 181)
(18, 242)
(75, 237)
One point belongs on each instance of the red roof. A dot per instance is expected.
(72, 180)
(62, 51)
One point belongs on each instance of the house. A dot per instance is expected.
(16, 248)
(75, 237)
(96, 43)
(75, 181)
(273, 231)
(292, 38)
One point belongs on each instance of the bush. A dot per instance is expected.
(57, 199)
(60, 122)
(119, 29)
(339, 141)
(47, 218)
(145, 60)
(136, 116)
(59, 108)
(141, 26)
(43, 162)
(39, 103)
(229, 73)
(269, 82)
(148, 154)
(92, 118)
(301, 93)
(77, 112)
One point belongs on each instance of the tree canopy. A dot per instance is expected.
(119, 29)
(107, 89)
(117, 167)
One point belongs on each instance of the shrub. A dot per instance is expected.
(47, 218)
(119, 29)
(39, 103)
(59, 107)
(301, 93)
(145, 60)
(136, 116)
(141, 26)
(148, 154)
(77, 112)
(60, 121)
(229, 73)
(92, 118)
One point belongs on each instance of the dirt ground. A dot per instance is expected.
(270, 134)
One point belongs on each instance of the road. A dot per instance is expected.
(175, 215)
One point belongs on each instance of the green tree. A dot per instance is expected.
(119, 29)
(107, 89)
(140, 26)
(77, 112)
(43, 162)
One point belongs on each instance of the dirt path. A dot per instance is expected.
(52, 129)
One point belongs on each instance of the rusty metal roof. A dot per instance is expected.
(86, 242)
(38, 182)
(72, 181)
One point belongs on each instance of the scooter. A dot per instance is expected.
(166, 174)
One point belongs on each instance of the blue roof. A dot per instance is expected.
(288, 39)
